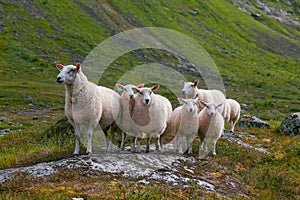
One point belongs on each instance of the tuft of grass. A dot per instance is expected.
(34, 145)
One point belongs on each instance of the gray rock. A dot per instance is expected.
(4, 119)
(249, 121)
(194, 11)
(291, 124)
(4, 132)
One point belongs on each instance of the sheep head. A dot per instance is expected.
(189, 88)
(145, 94)
(211, 108)
(67, 73)
(191, 105)
(128, 90)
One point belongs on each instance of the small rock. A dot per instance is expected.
(249, 121)
(4, 132)
(291, 124)
(194, 12)
(244, 106)
(256, 16)
(4, 119)
(35, 118)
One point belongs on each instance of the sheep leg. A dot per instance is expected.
(138, 149)
(121, 140)
(157, 143)
(89, 145)
(231, 126)
(189, 144)
(161, 141)
(179, 144)
(213, 151)
(203, 149)
(132, 144)
(147, 144)
(106, 139)
(112, 135)
(77, 142)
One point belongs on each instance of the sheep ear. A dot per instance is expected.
(180, 99)
(220, 104)
(59, 67)
(140, 85)
(182, 82)
(196, 96)
(78, 65)
(119, 87)
(136, 89)
(202, 103)
(154, 88)
(196, 82)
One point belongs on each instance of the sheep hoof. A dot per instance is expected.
(147, 151)
(75, 154)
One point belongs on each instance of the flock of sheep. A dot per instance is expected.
(140, 112)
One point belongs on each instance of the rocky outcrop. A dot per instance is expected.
(272, 12)
(291, 124)
(249, 121)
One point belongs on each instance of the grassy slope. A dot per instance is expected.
(266, 81)
(254, 62)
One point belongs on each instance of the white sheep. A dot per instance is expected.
(150, 114)
(190, 90)
(185, 122)
(233, 113)
(211, 126)
(124, 120)
(110, 112)
(83, 103)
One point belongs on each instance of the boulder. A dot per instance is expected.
(249, 121)
(291, 124)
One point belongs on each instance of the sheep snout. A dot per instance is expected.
(58, 80)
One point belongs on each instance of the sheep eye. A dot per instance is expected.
(192, 85)
(150, 93)
(71, 71)
(141, 93)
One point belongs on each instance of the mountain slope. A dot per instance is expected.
(259, 60)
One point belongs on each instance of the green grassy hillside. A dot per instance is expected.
(258, 58)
